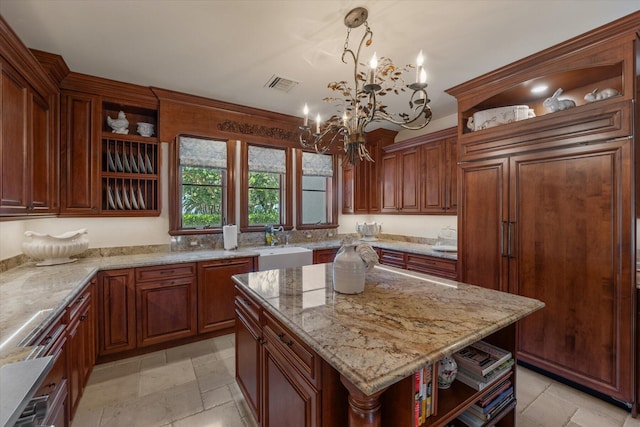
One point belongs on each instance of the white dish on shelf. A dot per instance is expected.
(112, 204)
(111, 165)
(118, 199)
(134, 202)
(125, 163)
(141, 164)
(134, 166)
(125, 196)
(141, 199)
(148, 163)
(54, 250)
(119, 163)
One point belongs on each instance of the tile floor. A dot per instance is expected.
(193, 386)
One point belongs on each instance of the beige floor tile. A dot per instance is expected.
(526, 421)
(110, 392)
(110, 371)
(585, 417)
(156, 409)
(529, 386)
(226, 415)
(224, 346)
(153, 360)
(165, 377)
(550, 411)
(249, 422)
(214, 374)
(587, 401)
(189, 351)
(216, 397)
(631, 422)
(87, 417)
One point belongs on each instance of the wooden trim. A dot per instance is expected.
(111, 90)
(437, 136)
(54, 64)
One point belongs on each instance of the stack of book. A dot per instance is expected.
(483, 366)
(425, 400)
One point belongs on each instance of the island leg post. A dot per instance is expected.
(364, 410)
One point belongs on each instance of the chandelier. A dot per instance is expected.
(361, 103)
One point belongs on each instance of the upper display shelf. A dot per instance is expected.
(129, 120)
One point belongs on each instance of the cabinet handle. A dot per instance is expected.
(167, 271)
(503, 224)
(511, 237)
(52, 386)
(281, 335)
(83, 317)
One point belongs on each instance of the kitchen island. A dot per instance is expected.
(308, 335)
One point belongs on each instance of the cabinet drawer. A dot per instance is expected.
(147, 274)
(297, 353)
(432, 265)
(248, 304)
(392, 258)
(79, 304)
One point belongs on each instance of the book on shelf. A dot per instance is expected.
(472, 418)
(423, 395)
(490, 396)
(483, 411)
(481, 357)
(481, 382)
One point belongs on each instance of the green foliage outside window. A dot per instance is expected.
(264, 198)
(202, 197)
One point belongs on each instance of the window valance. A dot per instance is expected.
(317, 164)
(262, 159)
(207, 153)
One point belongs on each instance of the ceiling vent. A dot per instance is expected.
(280, 83)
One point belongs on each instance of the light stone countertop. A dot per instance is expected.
(32, 297)
(400, 323)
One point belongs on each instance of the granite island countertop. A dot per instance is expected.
(32, 297)
(401, 322)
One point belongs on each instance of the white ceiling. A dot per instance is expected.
(228, 49)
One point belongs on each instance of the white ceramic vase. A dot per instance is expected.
(349, 270)
(447, 371)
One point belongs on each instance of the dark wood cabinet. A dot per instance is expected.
(248, 333)
(400, 188)
(116, 311)
(436, 266)
(29, 138)
(166, 301)
(216, 292)
(321, 256)
(546, 206)
(81, 345)
(361, 184)
(80, 156)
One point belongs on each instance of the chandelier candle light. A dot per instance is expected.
(361, 106)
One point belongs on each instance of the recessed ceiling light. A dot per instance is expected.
(539, 88)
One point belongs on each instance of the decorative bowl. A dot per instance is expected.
(486, 119)
(53, 250)
(145, 129)
(369, 232)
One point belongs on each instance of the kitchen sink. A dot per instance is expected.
(284, 257)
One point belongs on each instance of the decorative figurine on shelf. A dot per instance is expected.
(447, 371)
(599, 96)
(119, 125)
(554, 104)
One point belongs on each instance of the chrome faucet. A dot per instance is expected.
(274, 236)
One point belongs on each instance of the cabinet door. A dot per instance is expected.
(451, 175)
(290, 401)
(117, 311)
(347, 188)
(364, 195)
(432, 168)
(408, 182)
(482, 224)
(571, 212)
(14, 173)
(216, 292)
(76, 345)
(44, 161)
(166, 310)
(248, 360)
(321, 256)
(389, 166)
(392, 258)
(80, 154)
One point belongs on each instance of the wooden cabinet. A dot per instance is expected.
(54, 342)
(81, 344)
(166, 301)
(216, 292)
(420, 175)
(361, 184)
(400, 187)
(29, 144)
(116, 311)
(284, 382)
(80, 156)
(436, 266)
(321, 256)
(106, 173)
(546, 206)
(248, 333)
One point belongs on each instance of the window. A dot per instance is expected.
(202, 197)
(266, 187)
(316, 190)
